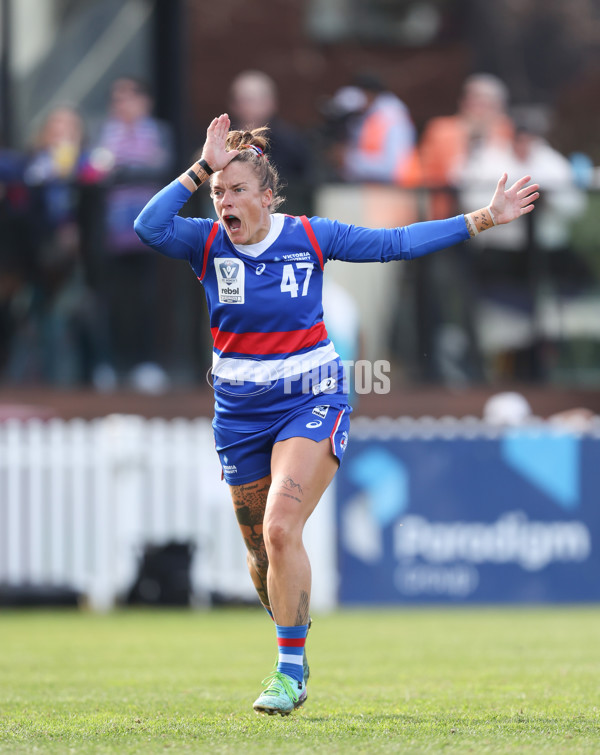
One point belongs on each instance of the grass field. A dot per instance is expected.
(411, 681)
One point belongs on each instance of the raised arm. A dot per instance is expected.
(158, 224)
(506, 205)
(214, 155)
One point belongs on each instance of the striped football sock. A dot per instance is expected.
(291, 650)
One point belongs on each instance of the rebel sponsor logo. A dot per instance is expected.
(230, 280)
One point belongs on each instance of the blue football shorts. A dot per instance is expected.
(246, 456)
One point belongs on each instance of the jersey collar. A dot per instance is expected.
(255, 250)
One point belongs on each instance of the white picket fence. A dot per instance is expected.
(79, 500)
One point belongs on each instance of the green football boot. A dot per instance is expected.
(282, 695)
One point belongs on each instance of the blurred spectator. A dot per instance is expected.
(510, 409)
(378, 139)
(16, 251)
(507, 409)
(253, 102)
(55, 336)
(136, 152)
(527, 153)
(447, 142)
(519, 271)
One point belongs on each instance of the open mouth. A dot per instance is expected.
(232, 222)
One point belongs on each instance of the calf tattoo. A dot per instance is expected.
(260, 566)
(249, 504)
(302, 614)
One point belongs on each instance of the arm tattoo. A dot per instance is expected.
(482, 221)
(302, 614)
(478, 221)
(471, 227)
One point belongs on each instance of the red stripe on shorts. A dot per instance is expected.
(334, 431)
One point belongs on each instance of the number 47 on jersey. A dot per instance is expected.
(289, 284)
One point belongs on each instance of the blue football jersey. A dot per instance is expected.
(271, 349)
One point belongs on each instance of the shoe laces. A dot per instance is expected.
(276, 681)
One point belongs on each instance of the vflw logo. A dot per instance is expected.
(229, 271)
(321, 410)
(230, 279)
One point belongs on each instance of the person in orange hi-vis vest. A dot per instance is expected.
(381, 137)
(447, 141)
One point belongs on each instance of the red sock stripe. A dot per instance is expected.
(291, 642)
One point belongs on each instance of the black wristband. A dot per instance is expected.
(205, 167)
(194, 176)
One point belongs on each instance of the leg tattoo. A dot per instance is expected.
(249, 504)
(258, 563)
(288, 484)
(302, 614)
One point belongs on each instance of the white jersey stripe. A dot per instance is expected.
(264, 371)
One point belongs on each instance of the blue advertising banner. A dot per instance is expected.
(515, 518)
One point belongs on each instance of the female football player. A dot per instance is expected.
(281, 413)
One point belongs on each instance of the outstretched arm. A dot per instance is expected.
(506, 205)
(214, 155)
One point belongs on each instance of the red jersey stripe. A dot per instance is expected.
(207, 246)
(291, 642)
(312, 238)
(277, 342)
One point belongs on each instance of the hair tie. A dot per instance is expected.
(256, 149)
